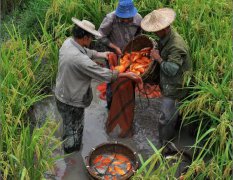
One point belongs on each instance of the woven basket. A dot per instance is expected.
(112, 147)
(138, 43)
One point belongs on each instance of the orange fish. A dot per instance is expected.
(137, 56)
(120, 68)
(136, 72)
(145, 59)
(106, 161)
(117, 162)
(111, 171)
(126, 56)
(119, 170)
(128, 166)
(121, 158)
(100, 166)
(106, 177)
(141, 70)
(137, 66)
(97, 159)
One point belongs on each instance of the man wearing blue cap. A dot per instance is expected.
(118, 28)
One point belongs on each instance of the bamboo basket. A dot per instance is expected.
(112, 147)
(151, 75)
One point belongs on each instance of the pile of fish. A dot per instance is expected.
(136, 61)
(149, 91)
(111, 166)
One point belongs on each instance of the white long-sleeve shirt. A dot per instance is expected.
(75, 72)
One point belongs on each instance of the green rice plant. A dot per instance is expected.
(93, 11)
(52, 41)
(210, 101)
(81, 9)
(28, 155)
(25, 153)
(19, 65)
(8, 6)
(146, 6)
(214, 157)
(205, 25)
(157, 166)
(25, 19)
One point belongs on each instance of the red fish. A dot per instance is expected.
(121, 158)
(97, 159)
(119, 170)
(106, 161)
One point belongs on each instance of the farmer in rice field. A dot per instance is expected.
(174, 60)
(73, 84)
(118, 28)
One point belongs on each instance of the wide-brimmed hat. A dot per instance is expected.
(158, 19)
(86, 25)
(126, 9)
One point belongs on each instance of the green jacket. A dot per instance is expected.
(176, 62)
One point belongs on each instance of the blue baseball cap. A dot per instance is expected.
(126, 9)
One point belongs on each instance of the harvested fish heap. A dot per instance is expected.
(111, 166)
(136, 62)
(112, 160)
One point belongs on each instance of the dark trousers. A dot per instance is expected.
(169, 118)
(73, 120)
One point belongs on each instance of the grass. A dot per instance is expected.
(26, 151)
(8, 6)
(29, 64)
(157, 166)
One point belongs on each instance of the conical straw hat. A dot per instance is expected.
(158, 19)
(86, 25)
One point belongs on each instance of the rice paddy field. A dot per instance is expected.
(32, 32)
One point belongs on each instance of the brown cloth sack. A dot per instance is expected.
(121, 114)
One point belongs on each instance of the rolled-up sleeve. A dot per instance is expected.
(93, 70)
(174, 62)
(169, 68)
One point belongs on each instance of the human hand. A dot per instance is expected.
(103, 54)
(118, 51)
(134, 77)
(155, 55)
(106, 54)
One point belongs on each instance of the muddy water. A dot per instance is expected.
(72, 167)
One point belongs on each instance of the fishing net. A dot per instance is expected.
(121, 114)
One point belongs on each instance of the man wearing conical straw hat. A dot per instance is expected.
(76, 69)
(172, 56)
